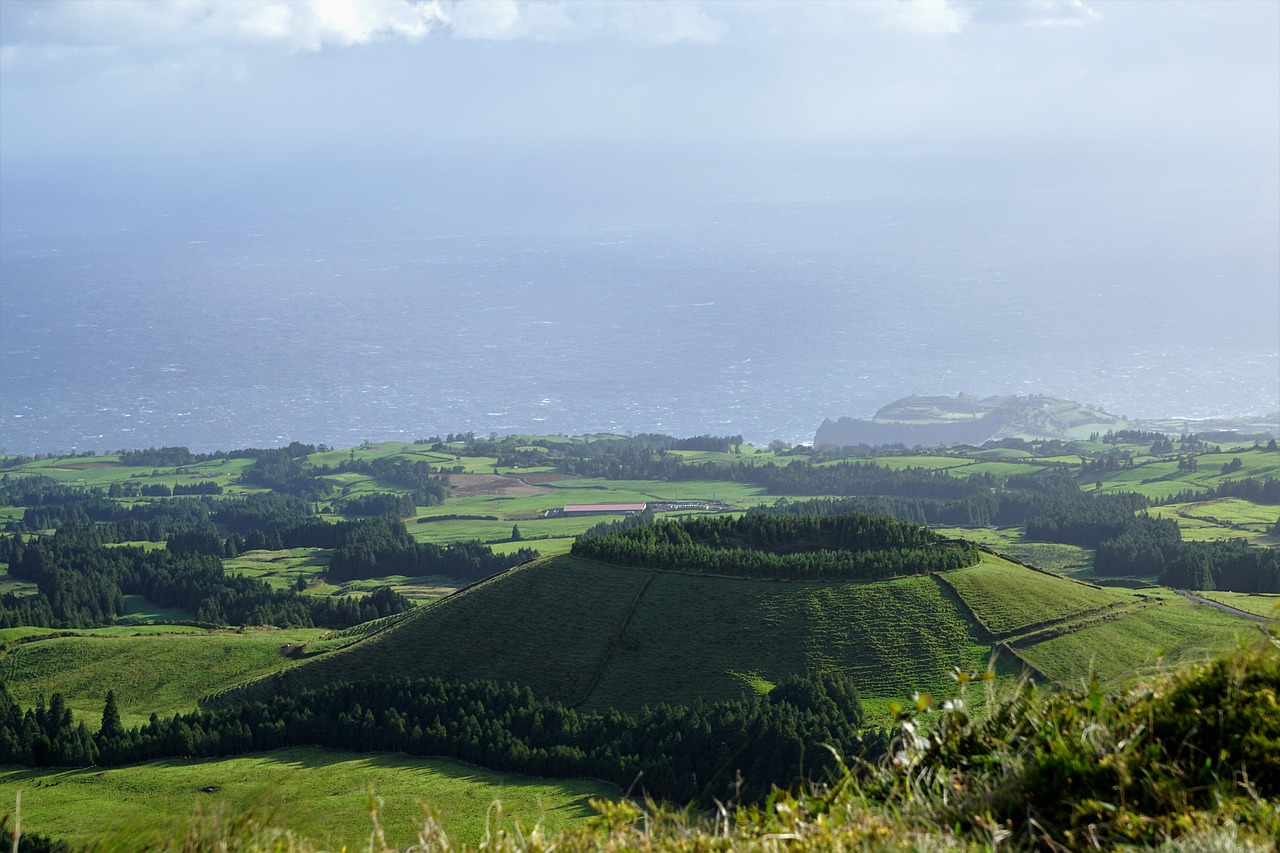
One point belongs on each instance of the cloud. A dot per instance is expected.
(51, 28)
(923, 16)
(1032, 13)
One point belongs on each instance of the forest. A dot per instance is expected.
(784, 547)
(702, 753)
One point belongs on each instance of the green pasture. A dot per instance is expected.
(159, 672)
(139, 611)
(102, 471)
(16, 586)
(318, 793)
(1223, 518)
(1258, 603)
(1161, 635)
(281, 569)
(544, 547)
(898, 463)
(1070, 560)
(422, 589)
(1009, 599)
(1003, 469)
(1160, 478)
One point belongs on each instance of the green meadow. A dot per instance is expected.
(321, 794)
(1008, 599)
(1260, 604)
(1153, 638)
(151, 672)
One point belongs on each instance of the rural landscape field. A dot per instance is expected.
(626, 585)
(639, 426)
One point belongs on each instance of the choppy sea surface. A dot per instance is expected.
(142, 319)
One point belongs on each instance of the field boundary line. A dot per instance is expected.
(617, 638)
(993, 552)
(1027, 665)
(1068, 626)
(968, 608)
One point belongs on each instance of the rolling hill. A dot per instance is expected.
(600, 636)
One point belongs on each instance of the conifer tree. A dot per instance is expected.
(111, 727)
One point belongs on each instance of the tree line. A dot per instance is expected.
(851, 546)
(382, 546)
(699, 753)
(82, 584)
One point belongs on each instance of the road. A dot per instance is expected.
(1226, 608)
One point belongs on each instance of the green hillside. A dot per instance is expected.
(603, 636)
(1008, 599)
(546, 625)
(1168, 631)
(150, 673)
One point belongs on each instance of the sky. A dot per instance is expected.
(269, 81)
(1101, 176)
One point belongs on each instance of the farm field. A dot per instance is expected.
(320, 793)
(1159, 478)
(1259, 604)
(1009, 599)
(1161, 635)
(158, 672)
(1069, 560)
(1223, 518)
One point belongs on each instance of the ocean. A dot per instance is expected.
(724, 296)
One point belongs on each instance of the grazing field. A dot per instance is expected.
(16, 586)
(320, 793)
(150, 672)
(1070, 560)
(1160, 478)
(1154, 637)
(1259, 604)
(139, 611)
(1224, 518)
(1008, 599)
(281, 569)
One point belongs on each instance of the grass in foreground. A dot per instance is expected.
(323, 793)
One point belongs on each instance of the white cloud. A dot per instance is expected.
(1033, 13)
(923, 16)
(313, 25)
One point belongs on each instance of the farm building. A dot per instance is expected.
(604, 509)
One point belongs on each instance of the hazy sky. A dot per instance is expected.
(276, 80)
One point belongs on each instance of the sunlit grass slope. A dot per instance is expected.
(160, 673)
(1168, 632)
(323, 792)
(1008, 599)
